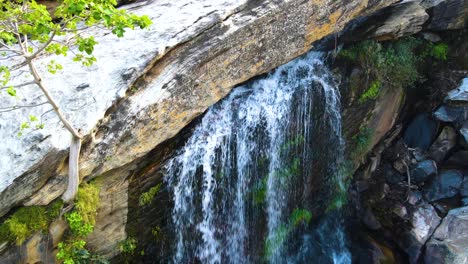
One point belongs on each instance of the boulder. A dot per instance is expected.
(445, 185)
(446, 140)
(458, 160)
(459, 96)
(449, 243)
(420, 132)
(464, 188)
(423, 171)
(446, 113)
(449, 14)
(424, 221)
(405, 19)
(465, 201)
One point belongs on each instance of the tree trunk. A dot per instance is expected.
(73, 170)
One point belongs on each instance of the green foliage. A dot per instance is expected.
(300, 216)
(437, 51)
(128, 246)
(156, 232)
(24, 223)
(147, 197)
(371, 93)
(77, 225)
(394, 64)
(81, 222)
(74, 252)
(38, 24)
(54, 209)
(87, 202)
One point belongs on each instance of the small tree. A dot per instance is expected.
(28, 30)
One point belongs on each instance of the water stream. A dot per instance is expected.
(245, 184)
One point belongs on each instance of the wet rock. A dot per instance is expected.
(420, 132)
(445, 185)
(414, 197)
(464, 131)
(459, 160)
(465, 201)
(459, 96)
(431, 37)
(424, 221)
(370, 220)
(447, 113)
(392, 176)
(401, 211)
(423, 171)
(449, 243)
(449, 14)
(443, 144)
(464, 188)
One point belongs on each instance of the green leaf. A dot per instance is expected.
(11, 91)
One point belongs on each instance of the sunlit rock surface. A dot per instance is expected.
(150, 84)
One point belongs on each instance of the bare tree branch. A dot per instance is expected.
(18, 85)
(16, 107)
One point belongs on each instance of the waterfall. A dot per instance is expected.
(243, 184)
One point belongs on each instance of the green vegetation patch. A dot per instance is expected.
(391, 64)
(147, 197)
(371, 93)
(87, 202)
(28, 220)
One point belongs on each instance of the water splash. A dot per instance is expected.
(242, 183)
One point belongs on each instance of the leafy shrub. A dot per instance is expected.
(147, 197)
(394, 64)
(437, 51)
(77, 225)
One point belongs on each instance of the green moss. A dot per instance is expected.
(87, 202)
(24, 223)
(437, 51)
(299, 216)
(371, 93)
(259, 191)
(54, 209)
(147, 197)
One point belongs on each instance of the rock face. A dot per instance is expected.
(450, 240)
(152, 91)
(137, 96)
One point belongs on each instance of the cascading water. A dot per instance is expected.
(243, 185)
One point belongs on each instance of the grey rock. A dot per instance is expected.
(424, 221)
(464, 131)
(449, 14)
(414, 197)
(82, 86)
(423, 171)
(431, 37)
(459, 95)
(458, 160)
(420, 132)
(447, 113)
(449, 243)
(370, 220)
(405, 19)
(446, 140)
(464, 188)
(445, 185)
(465, 201)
